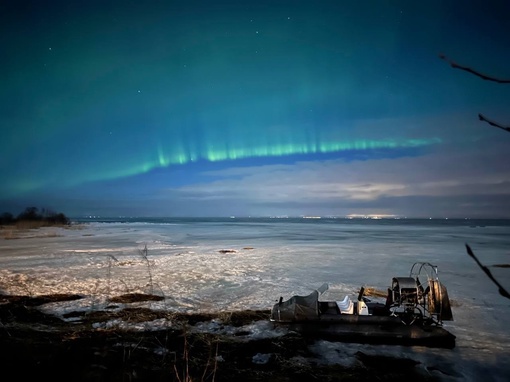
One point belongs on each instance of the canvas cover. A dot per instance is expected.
(298, 308)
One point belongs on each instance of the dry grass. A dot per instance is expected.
(374, 292)
(37, 346)
(34, 229)
(31, 230)
(7, 233)
(28, 235)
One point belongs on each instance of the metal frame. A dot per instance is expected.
(419, 296)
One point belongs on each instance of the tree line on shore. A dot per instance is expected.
(32, 214)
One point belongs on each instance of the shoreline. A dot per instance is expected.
(38, 345)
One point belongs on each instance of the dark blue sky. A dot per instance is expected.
(219, 108)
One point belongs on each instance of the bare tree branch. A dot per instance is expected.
(492, 123)
(453, 64)
(502, 291)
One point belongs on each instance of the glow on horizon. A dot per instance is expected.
(372, 216)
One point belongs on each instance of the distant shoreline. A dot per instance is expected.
(308, 220)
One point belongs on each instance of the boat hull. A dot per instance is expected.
(412, 313)
(374, 330)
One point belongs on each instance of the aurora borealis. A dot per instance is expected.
(220, 108)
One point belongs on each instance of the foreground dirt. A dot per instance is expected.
(36, 346)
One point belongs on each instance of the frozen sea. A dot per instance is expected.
(248, 263)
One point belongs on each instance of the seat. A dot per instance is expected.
(346, 306)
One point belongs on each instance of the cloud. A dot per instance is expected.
(451, 173)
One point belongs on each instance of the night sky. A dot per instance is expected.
(254, 108)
